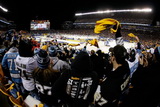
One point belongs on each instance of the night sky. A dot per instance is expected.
(58, 11)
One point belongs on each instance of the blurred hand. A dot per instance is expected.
(143, 61)
(137, 38)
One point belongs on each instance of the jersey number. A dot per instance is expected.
(23, 74)
(12, 64)
(101, 101)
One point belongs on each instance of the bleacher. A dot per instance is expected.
(126, 18)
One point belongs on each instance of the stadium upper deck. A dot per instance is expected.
(123, 17)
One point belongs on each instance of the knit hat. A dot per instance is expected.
(81, 62)
(52, 51)
(43, 59)
(36, 50)
(151, 50)
(44, 47)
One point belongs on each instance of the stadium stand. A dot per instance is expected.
(78, 83)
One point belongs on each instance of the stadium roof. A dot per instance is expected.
(58, 11)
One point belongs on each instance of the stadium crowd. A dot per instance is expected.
(143, 18)
(57, 75)
(147, 38)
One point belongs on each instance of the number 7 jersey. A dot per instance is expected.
(26, 65)
(8, 63)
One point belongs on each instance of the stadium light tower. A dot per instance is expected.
(4, 9)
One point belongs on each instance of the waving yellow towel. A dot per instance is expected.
(104, 23)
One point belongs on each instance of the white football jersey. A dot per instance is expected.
(133, 65)
(26, 65)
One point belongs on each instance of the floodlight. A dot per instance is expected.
(4, 9)
(114, 11)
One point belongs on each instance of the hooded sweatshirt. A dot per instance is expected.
(76, 87)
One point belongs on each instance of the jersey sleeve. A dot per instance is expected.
(5, 66)
(4, 61)
(32, 64)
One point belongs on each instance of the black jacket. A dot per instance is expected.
(146, 86)
(113, 86)
(98, 65)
